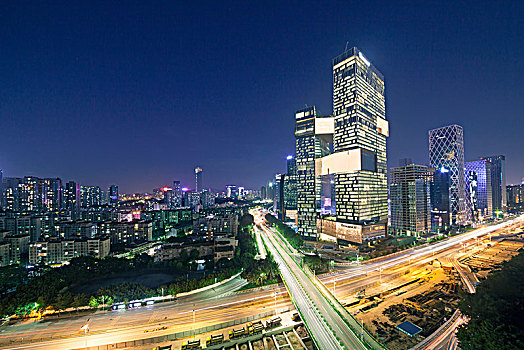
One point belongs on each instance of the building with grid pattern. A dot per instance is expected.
(314, 134)
(410, 199)
(359, 156)
(341, 160)
(446, 150)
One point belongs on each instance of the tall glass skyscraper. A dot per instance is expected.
(478, 189)
(313, 134)
(359, 146)
(446, 150)
(410, 199)
(498, 183)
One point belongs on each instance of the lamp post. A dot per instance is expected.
(194, 319)
(361, 330)
(275, 296)
(380, 271)
(334, 288)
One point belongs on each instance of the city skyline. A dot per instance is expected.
(115, 102)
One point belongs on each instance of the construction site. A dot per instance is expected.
(427, 295)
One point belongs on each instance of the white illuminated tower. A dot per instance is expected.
(198, 179)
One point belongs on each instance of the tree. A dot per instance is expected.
(246, 220)
(496, 310)
(93, 302)
(194, 254)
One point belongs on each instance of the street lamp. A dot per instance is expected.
(194, 322)
(334, 288)
(275, 296)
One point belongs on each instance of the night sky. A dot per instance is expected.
(138, 94)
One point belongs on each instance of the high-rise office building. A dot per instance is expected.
(314, 138)
(90, 196)
(177, 194)
(32, 194)
(198, 179)
(410, 199)
(440, 201)
(11, 190)
(478, 189)
(358, 161)
(290, 188)
(263, 193)
(446, 149)
(72, 199)
(498, 183)
(112, 195)
(515, 197)
(53, 194)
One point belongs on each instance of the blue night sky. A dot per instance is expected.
(139, 93)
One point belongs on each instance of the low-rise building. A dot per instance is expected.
(58, 250)
(127, 232)
(216, 225)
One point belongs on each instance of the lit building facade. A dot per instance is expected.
(440, 201)
(359, 158)
(112, 195)
(198, 179)
(515, 197)
(478, 189)
(410, 188)
(314, 135)
(290, 188)
(72, 199)
(90, 196)
(446, 150)
(498, 183)
(177, 194)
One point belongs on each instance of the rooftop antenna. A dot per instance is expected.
(347, 43)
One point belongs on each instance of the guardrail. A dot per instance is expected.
(169, 337)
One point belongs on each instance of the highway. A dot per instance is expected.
(218, 305)
(327, 328)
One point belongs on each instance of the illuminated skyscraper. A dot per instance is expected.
(112, 195)
(314, 135)
(410, 199)
(90, 196)
(198, 179)
(52, 194)
(72, 199)
(290, 188)
(177, 194)
(440, 207)
(358, 161)
(498, 183)
(446, 149)
(478, 189)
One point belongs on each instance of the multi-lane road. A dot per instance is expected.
(217, 305)
(328, 329)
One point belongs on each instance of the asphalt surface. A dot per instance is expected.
(327, 327)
